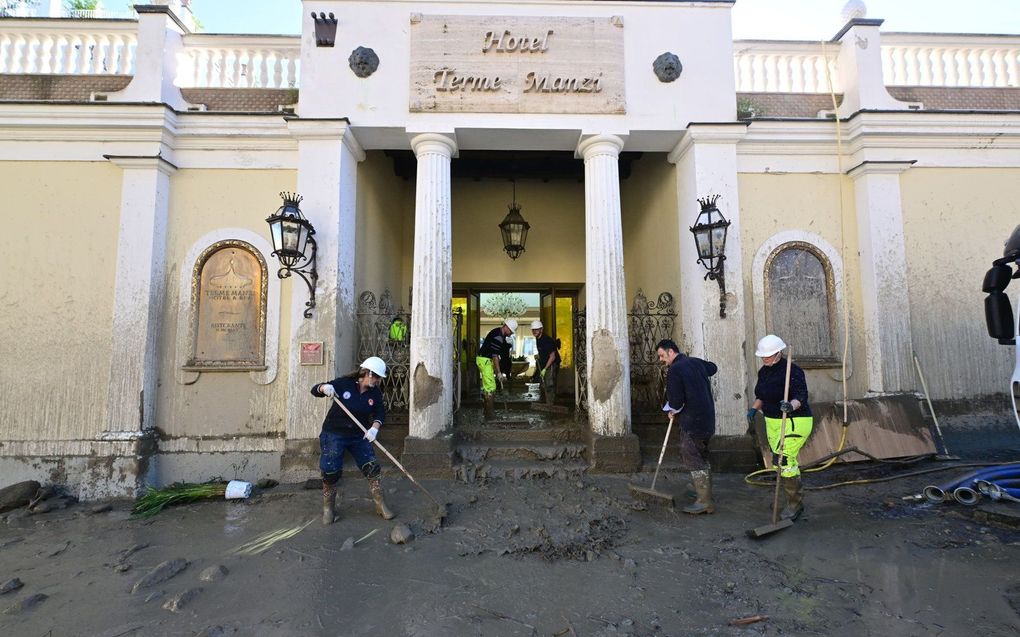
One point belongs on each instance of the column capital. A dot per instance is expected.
(434, 143)
(880, 168)
(726, 133)
(600, 145)
(326, 129)
(141, 162)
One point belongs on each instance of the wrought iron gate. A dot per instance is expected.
(648, 322)
(376, 338)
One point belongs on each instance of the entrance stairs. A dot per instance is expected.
(520, 442)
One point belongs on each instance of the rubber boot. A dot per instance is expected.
(703, 487)
(329, 492)
(380, 505)
(490, 406)
(550, 397)
(794, 499)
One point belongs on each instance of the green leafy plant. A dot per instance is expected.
(81, 5)
(747, 108)
(155, 500)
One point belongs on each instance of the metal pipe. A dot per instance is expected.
(966, 496)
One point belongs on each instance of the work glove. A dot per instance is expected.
(502, 377)
(785, 407)
(751, 414)
(542, 373)
(327, 389)
(371, 434)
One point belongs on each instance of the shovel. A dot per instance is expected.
(777, 524)
(650, 494)
(440, 509)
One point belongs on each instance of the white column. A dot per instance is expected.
(606, 304)
(883, 264)
(328, 156)
(431, 410)
(706, 164)
(138, 295)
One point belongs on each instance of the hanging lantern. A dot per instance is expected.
(514, 229)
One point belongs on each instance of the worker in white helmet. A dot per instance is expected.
(495, 349)
(547, 364)
(360, 394)
(769, 399)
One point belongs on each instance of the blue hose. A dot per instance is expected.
(938, 493)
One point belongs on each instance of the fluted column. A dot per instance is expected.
(608, 344)
(432, 285)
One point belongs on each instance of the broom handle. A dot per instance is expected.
(663, 452)
(388, 454)
(782, 436)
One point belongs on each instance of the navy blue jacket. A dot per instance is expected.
(366, 407)
(495, 344)
(546, 348)
(769, 389)
(687, 386)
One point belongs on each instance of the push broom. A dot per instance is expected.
(440, 509)
(777, 524)
(650, 494)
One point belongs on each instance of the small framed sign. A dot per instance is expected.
(311, 353)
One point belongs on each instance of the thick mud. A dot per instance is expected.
(560, 557)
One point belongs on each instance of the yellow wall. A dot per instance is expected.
(955, 222)
(555, 244)
(651, 256)
(226, 403)
(770, 204)
(385, 204)
(61, 223)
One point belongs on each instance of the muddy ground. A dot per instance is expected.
(529, 557)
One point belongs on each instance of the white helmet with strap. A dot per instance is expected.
(769, 345)
(375, 365)
(511, 323)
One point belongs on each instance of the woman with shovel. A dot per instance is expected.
(359, 392)
(769, 399)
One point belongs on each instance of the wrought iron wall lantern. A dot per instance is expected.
(514, 229)
(294, 245)
(710, 240)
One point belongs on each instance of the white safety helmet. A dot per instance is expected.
(536, 325)
(511, 323)
(769, 345)
(375, 365)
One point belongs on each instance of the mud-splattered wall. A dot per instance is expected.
(955, 222)
(223, 404)
(651, 256)
(771, 204)
(57, 297)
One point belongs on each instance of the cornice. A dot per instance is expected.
(880, 168)
(707, 133)
(138, 162)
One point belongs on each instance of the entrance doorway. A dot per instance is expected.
(485, 306)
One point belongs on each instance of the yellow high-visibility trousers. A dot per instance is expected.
(797, 432)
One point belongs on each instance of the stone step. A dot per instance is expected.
(518, 469)
(524, 435)
(479, 453)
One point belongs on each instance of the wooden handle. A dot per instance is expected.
(782, 435)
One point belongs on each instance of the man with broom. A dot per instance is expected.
(689, 397)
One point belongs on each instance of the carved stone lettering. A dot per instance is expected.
(228, 309)
(516, 64)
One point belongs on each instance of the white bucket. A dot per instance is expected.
(237, 489)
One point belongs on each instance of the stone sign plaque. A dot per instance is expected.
(516, 64)
(311, 353)
(228, 309)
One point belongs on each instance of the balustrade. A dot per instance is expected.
(68, 48)
(216, 61)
